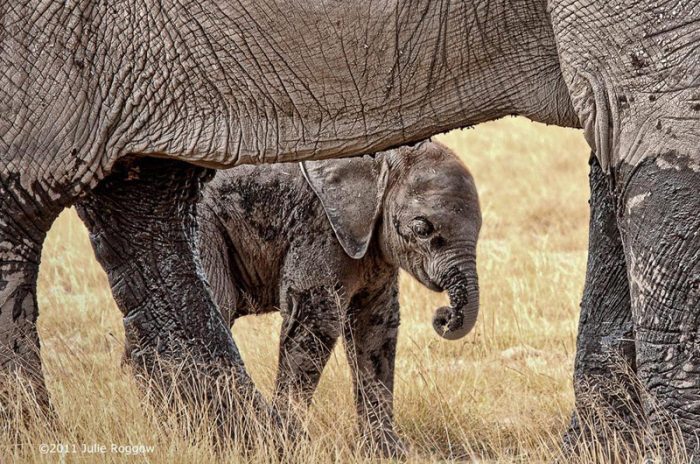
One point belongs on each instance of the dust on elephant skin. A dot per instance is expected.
(664, 268)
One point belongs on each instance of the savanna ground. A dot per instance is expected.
(502, 394)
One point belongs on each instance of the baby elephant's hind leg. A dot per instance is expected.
(370, 340)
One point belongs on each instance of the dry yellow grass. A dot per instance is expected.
(503, 394)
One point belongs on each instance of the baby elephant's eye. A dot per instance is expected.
(422, 227)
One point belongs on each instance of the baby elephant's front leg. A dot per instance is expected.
(310, 329)
(370, 340)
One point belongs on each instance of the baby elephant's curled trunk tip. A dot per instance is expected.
(457, 320)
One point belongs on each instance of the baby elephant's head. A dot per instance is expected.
(423, 204)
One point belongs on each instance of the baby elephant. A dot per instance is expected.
(323, 241)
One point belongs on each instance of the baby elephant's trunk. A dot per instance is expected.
(457, 320)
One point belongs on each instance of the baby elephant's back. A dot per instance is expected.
(265, 196)
(248, 217)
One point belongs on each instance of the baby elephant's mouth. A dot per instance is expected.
(427, 281)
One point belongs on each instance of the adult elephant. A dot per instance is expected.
(127, 104)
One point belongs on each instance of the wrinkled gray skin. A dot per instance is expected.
(270, 240)
(84, 85)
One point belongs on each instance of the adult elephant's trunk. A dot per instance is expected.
(457, 320)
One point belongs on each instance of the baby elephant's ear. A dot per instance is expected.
(351, 191)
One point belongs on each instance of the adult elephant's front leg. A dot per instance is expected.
(606, 394)
(660, 228)
(143, 228)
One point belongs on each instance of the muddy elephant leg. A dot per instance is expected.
(24, 220)
(660, 226)
(606, 395)
(310, 330)
(143, 228)
(370, 340)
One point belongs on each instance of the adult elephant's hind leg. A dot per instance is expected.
(607, 401)
(142, 222)
(661, 232)
(25, 217)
